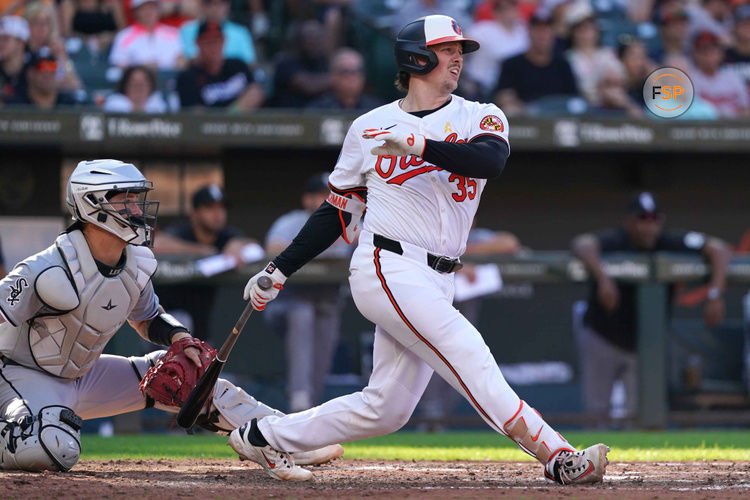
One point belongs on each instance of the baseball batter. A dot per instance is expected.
(60, 307)
(421, 187)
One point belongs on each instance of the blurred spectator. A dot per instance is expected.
(215, 82)
(611, 94)
(348, 83)
(136, 93)
(674, 33)
(537, 73)
(714, 83)
(632, 54)
(485, 10)
(176, 13)
(440, 399)
(413, 9)
(40, 86)
(14, 33)
(147, 42)
(586, 55)
(501, 37)
(43, 33)
(238, 44)
(97, 21)
(308, 317)
(737, 57)
(607, 336)
(12, 7)
(302, 75)
(205, 233)
(711, 15)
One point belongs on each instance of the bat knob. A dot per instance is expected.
(265, 283)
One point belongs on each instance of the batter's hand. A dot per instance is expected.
(608, 294)
(257, 295)
(396, 144)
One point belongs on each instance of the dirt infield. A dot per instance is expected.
(165, 479)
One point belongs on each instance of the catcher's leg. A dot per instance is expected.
(36, 434)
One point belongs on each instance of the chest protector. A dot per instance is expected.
(67, 345)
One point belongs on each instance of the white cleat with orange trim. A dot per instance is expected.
(278, 464)
(580, 467)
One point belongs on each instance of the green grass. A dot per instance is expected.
(626, 446)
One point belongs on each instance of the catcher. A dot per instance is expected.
(60, 307)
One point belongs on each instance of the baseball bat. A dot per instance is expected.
(202, 390)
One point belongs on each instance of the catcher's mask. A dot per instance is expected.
(112, 195)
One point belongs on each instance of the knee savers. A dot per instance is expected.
(50, 440)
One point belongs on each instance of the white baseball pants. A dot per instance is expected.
(418, 331)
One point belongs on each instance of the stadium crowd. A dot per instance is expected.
(538, 57)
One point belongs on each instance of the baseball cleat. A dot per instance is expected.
(580, 467)
(320, 456)
(277, 464)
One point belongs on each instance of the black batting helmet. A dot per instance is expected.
(414, 38)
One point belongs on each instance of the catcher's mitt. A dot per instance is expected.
(174, 375)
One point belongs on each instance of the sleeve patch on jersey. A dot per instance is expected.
(15, 291)
(492, 123)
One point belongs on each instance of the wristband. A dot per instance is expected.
(163, 327)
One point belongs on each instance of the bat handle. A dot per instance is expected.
(265, 283)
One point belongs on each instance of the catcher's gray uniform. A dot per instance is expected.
(59, 312)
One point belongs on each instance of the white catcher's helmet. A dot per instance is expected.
(90, 188)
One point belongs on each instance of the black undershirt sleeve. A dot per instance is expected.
(482, 158)
(320, 231)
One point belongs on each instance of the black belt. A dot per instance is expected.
(439, 263)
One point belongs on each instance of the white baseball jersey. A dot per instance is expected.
(409, 199)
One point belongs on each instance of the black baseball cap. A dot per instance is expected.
(317, 183)
(644, 203)
(208, 195)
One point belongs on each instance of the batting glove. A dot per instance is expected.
(396, 144)
(257, 295)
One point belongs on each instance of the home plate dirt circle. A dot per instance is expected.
(165, 479)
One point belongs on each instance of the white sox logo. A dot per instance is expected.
(15, 291)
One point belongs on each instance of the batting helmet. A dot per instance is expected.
(413, 40)
(91, 187)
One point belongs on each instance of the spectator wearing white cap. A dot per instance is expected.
(148, 42)
(14, 33)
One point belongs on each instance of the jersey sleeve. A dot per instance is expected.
(147, 306)
(18, 300)
(489, 120)
(348, 171)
